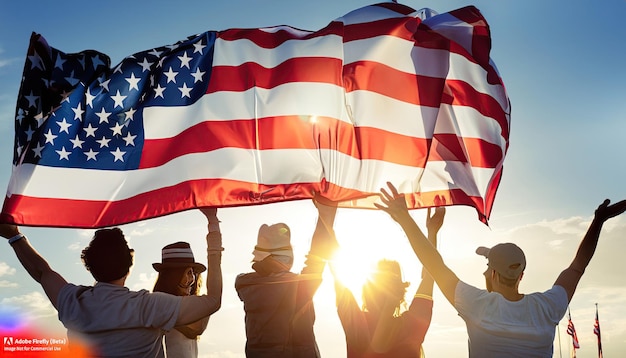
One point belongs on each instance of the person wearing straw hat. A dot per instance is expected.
(179, 274)
(278, 304)
(107, 318)
(501, 321)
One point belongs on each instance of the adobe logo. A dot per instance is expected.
(8, 341)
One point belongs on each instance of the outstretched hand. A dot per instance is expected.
(606, 211)
(434, 222)
(395, 202)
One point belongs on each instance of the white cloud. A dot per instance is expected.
(76, 246)
(144, 232)
(142, 281)
(8, 284)
(3, 61)
(34, 304)
(550, 247)
(6, 270)
(86, 233)
(575, 225)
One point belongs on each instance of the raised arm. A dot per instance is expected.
(323, 243)
(194, 308)
(395, 206)
(433, 224)
(36, 266)
(569, 278)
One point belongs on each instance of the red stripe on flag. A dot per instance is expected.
(490, 194)
(290, 132)
(286, 132)
(463, 94)
(475, 151)
(232, 193)
(180, 198)
(397, 27)
(250, 74)
(272, 37)
(382, 79)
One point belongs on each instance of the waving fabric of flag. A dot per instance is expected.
(571, 330)
(254, 116)
(596, 331)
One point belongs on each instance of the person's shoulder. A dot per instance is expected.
(558, 289)
(246, 278)
(71, 286)
(554, 291)
(463, 287)
(466, 295)
(555, 299)
(70, 293)
(113, 291)
(247, 275)
(74, 290)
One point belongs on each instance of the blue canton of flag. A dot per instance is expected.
(75, 111)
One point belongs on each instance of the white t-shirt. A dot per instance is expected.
(115, 321)
(498, 327)
(177, 345)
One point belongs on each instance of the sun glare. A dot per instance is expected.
(362, 246)
(351, 270)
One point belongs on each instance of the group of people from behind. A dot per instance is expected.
(279, 312)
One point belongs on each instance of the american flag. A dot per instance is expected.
(596, 331)
(262, 115)
(572, 332)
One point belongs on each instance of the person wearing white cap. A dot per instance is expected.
(179, 274)
(107, 319)
(278, 304)
(501, 321)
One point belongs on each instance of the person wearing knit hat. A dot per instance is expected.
(275, 241)
(278, 303)
(501, 321)
(108, 319)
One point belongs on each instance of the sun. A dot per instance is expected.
(350, 269)
(366, 237)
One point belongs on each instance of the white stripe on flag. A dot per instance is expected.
(279, 167)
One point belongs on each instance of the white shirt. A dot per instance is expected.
(498, 327)
(116, 321)
(177, 345)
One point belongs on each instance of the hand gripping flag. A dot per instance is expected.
(254, 116)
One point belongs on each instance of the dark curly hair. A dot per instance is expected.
(108, 256)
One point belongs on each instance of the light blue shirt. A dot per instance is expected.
(117, 322)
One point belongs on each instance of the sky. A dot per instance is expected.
(562, 63)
